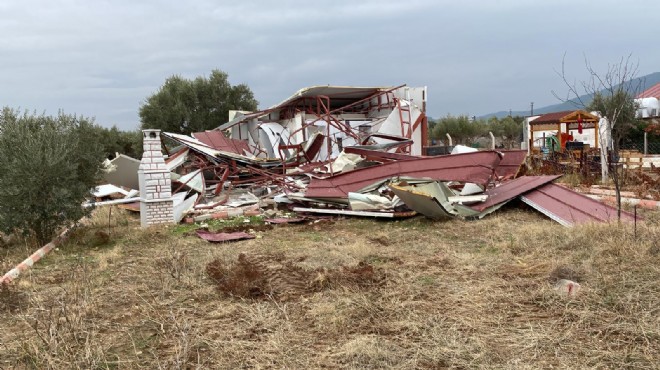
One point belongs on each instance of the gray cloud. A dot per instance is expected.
(103, 58)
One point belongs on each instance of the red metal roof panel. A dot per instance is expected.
(223, 237)
(379, 155)
(218, 141)
(570, 208)
(512, 189)
(510, 164)
(477, 167)
(553, 117)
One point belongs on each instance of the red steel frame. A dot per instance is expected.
(320, 107)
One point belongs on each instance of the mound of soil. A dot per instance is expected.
(263, 276)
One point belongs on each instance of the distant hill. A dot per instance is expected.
(647, 81)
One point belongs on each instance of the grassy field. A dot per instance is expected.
(348, 293)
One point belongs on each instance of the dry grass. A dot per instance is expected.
(449, 295)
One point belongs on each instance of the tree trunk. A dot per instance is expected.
(603, 165)
(617, 188)
(603, 144)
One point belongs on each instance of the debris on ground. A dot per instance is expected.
(223, 237)
(340, 151)
(567, 288)
(285, 220)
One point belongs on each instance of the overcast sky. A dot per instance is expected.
(103, 58)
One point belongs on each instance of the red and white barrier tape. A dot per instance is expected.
(36, 256)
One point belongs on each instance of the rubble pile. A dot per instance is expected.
(207, 184)
(345, 151)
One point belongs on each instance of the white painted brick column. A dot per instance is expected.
(156, 202)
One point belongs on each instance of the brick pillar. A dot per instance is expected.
(155, 184)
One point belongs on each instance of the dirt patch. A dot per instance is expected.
(373, 259)
(567, 273)
(264, 276)
(247, 228)
(383, 240)
(321, 224)
(11, 300)
(363, 275)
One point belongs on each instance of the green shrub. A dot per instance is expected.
(47, 167)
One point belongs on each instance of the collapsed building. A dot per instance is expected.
(385, 117)
(358, 151)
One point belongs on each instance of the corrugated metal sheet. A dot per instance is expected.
(469, 167)
(570, 208)
(510, 164)
(427, 199)
(512, 189)
(380, 155)
(217, 140)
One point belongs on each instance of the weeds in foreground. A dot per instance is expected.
(60, 333)
(440, 298)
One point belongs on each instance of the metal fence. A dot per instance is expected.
(653, 147)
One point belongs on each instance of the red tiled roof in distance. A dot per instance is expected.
(651, 92)
(553, 117)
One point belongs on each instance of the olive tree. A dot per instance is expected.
(185, 106)
(47, 167)
(509, 129)
(460, 128)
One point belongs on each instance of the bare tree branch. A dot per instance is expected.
(612, 95)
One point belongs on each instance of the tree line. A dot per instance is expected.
(466, 131)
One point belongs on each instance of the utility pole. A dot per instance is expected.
(531, 113)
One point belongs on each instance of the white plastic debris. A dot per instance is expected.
(567, 288)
